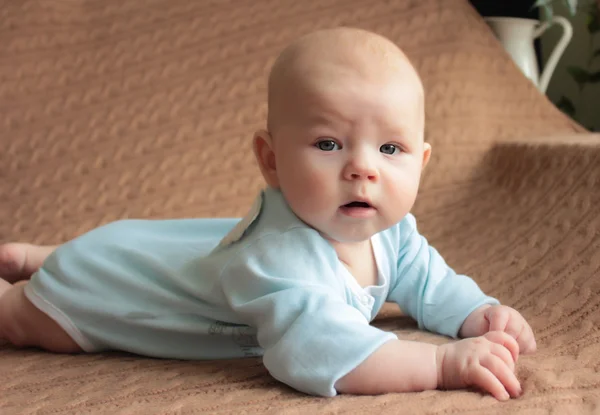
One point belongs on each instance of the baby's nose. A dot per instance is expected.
(361, 168)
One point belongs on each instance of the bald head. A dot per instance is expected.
(346, 117)
(326, 55)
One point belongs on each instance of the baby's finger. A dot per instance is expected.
(515, 327)
(505, 340)
(504, 354)
(483, 378)
(498, 320)
(526, 340)
(501, 371)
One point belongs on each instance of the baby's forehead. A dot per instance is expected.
(368, 57)
(332, 57)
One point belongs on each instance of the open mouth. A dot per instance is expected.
(360, 210)
(357, 205)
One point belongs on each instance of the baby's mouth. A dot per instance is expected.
(357, 205)
(358, 209)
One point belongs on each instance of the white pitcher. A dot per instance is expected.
(517, 36)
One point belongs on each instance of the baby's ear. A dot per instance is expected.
(262, 145)
(426, 154)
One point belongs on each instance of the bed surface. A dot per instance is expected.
(133, 109)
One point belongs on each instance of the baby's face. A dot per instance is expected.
(349, 157)
(349, 150)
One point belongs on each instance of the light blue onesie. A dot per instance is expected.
(267, 285)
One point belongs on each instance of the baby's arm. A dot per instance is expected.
(285, 285)
(440, 301)
(445, 302)
(427, 289)
(397, 366)
(487, 362)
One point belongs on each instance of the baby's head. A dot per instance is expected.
(345, 132)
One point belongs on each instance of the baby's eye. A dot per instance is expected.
(389, 149)
(327, 145)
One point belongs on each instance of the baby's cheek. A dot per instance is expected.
(320, 175)
(307, 190)
(403, 188)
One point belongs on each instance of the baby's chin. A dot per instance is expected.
(340, 229)
(347, 236)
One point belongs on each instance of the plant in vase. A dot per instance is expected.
(584, 76)
(547, 7)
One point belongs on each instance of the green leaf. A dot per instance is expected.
(546, 13)
(594, 77)
(566, 106)
(580, 75)
(541, 3)
(546, 6)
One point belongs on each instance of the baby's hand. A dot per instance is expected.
(500, 318)
(487, 362)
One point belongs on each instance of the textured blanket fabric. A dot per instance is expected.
(145, 109)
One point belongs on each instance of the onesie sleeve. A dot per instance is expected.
(288, 290)
(427, 289)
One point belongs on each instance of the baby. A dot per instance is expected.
(300, 277)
